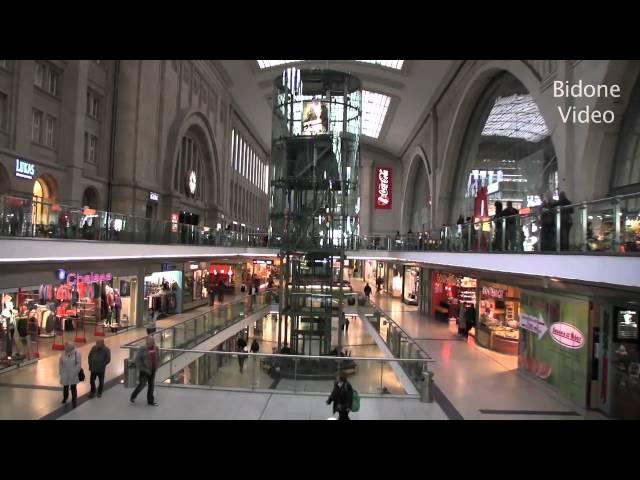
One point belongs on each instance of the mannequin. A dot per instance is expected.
(9, 321)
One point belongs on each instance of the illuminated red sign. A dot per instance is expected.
(384, 194)
(174, 222)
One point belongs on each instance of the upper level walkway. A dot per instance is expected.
(556, 243)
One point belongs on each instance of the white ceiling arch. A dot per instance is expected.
(410, 89)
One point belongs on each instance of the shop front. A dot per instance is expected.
(196, 285)
(222, 273)
(555, 341)
(163, 290)
(46, 308)
(498, 326)
(448, 292)
(393, 280)
(411, 286)
(616, 361)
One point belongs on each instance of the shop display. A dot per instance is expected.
(411, 285)
(449, 293)
(499, 327)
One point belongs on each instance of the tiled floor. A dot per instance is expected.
(33, 391)
(199, 404)
(475, 378)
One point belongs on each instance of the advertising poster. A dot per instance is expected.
(315, 118)
(553, 342)
(384, 193)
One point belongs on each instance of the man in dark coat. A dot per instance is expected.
(341, 397)
(99, 358)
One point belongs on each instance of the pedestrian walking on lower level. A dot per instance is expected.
(255, 346)
(69, 367)
(242, 349)
(341, 397)
(151, 321)
(147, 362)
(367, 291)
(99, 358)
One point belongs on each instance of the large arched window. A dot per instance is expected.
(507, 149)
(626, 174)
(189, 173)
(90, 198)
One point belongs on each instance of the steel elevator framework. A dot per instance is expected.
(314, 201)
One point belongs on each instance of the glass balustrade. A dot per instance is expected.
(608, 226)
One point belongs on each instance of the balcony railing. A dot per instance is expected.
(609, 226)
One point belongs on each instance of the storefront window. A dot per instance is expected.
(507, 154)
(163, 291)
(499, 326)
(411, 285)
(448, 292)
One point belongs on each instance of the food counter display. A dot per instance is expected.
(499, 328)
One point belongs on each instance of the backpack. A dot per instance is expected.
(355, 401)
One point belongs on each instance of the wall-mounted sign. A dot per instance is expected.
(154, 197)
(626, 325)
(384, 193)
(567, 335)
(88, 278)
(192, 182)
(263, 262)
(61, 274)
(174, 222)
(25, 169)
(493, 292)
(169, 267)
(534, 324)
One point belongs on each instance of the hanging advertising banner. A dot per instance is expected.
(384, 194)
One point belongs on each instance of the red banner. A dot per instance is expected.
(384, 193)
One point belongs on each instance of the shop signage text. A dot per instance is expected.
(25, 169)
(492, 292)
(567, 335)
(88, 278)
(174, 222)
(533, 324)
(153, 196)
(263, 262)
(447, 278)
(384, 194)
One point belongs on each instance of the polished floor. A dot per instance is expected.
(34, 391)
(476, 380)
(177, 403)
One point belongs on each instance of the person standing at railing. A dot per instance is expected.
(566, 220)
(511, 228)
(497, 220)
(147, 362)
(547, 223)
(242, 349)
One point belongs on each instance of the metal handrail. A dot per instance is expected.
(282, 355)
(390, 320)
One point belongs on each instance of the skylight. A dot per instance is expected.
(274, 63)
(516, 116)
(394, 64)
(374, 109)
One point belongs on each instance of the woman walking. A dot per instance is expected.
(70, 368)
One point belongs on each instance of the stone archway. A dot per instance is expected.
(474, 89)
(195, 123)
(419, 168)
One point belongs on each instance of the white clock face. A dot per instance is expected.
(192, 182)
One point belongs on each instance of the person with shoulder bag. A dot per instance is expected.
(341, 397)
(71, 372)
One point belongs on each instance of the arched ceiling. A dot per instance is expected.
(410, 89)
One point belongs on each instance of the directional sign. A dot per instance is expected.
(533, 324)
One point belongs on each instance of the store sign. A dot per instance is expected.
(25, 169)
(263, 262)
(169, 267)
(73, 278)
(174, 222)
(493, 292)
(154, 197)
(567, 335)
(192, 182)
(533, 324)
(447, 278)
(626, 325)
(384, 194)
